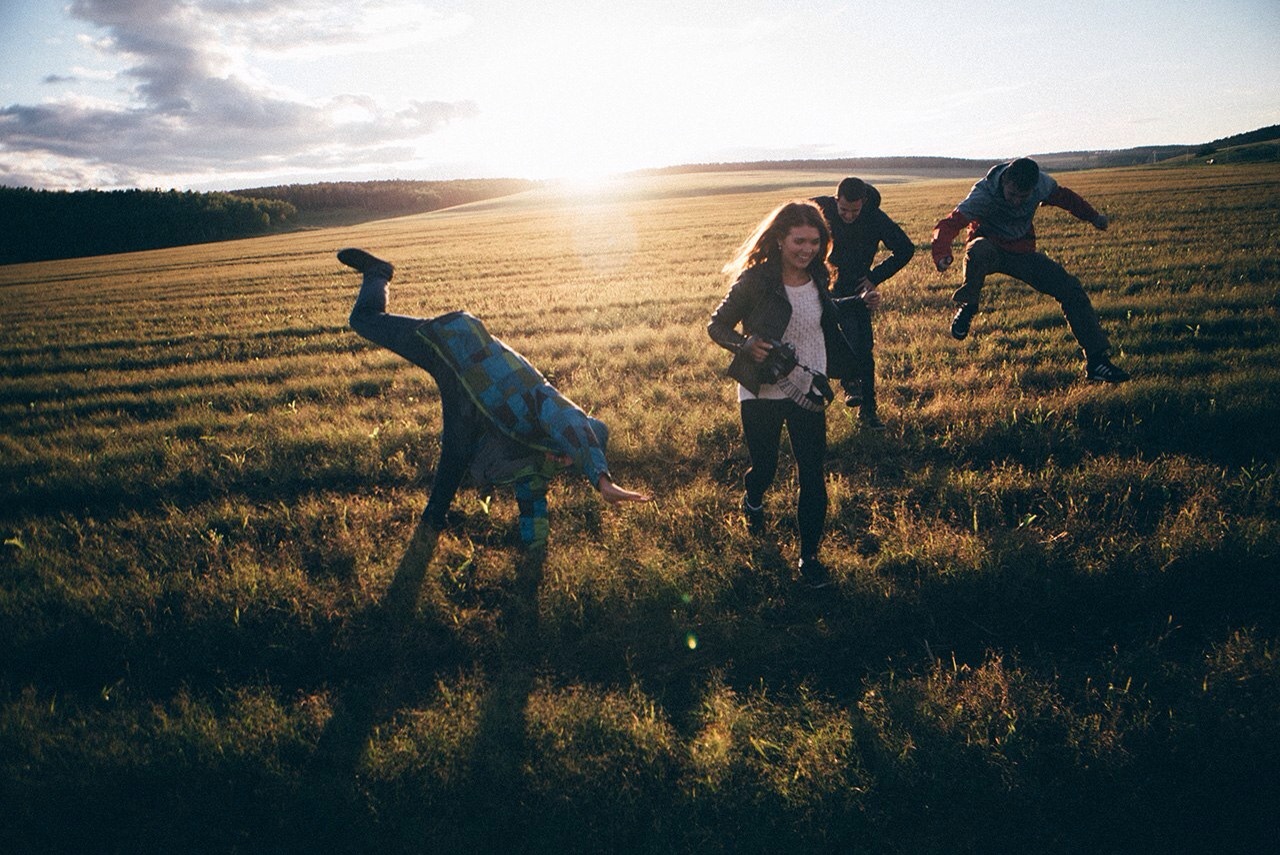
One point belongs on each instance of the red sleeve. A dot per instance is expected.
(1071, 202)
(944, 233)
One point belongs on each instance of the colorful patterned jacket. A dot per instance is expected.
(519, 402)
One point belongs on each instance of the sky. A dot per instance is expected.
(228, 94)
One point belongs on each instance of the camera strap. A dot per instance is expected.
(813, 395)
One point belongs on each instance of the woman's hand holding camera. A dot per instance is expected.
(757, 348)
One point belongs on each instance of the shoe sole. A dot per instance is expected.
(361, 261)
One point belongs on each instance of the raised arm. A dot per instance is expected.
(1074, 204)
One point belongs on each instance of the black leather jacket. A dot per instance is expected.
(757, 301)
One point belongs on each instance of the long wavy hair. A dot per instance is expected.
(763, 248)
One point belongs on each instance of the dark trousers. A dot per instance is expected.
(461, 420)
(855, 321)
(762, 422)
(982, 257)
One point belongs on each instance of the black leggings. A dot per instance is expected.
(762, 422)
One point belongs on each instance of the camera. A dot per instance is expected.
(780, 361)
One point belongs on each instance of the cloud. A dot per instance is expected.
(193, 103)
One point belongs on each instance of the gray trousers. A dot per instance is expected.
(462, 423)
(982, 257)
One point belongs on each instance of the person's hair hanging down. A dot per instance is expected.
(764, 247)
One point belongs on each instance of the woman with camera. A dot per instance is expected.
(790, 342)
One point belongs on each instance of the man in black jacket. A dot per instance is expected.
(858, 227)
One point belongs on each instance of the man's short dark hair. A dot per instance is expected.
(852, 190)
(1023, 173)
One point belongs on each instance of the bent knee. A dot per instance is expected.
(981, 251)
(362, 317)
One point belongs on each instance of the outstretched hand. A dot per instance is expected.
(943, 263)
(613, 494)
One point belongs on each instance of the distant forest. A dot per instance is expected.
(41, 225)
(386, 198)
(1244, 146)
(38, 225)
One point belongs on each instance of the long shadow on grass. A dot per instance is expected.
(387, 665)
(376, 687)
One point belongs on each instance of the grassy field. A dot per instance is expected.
(1054, 628)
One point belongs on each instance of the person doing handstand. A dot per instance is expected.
(502, 421)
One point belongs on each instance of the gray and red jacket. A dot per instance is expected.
(986, 214)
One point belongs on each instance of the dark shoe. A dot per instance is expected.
(870, 421)
(814, 573)
(852, 393)
(365, 262)
(963, 320)
(754, 517)
(1102, 371)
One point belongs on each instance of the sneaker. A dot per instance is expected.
(1102, 371)
(853, 399)
(365, 262)
(754, 516)
(814, 573)
(870, 421)
(963, 320)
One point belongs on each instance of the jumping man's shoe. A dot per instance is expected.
(1102, 371)
(814, 572)
(963, 320)
(365, 262)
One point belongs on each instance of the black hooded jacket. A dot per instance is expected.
(854, 245)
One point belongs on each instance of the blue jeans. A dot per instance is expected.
(462, 421)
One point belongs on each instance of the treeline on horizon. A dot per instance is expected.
(869, 164)
(45, 225)
(390, 197)
(1055, 160)
(42, 225)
